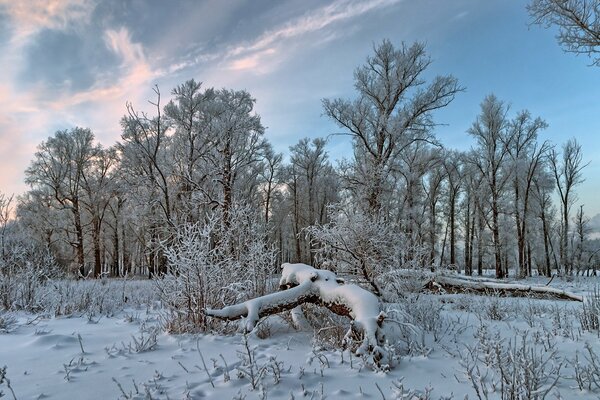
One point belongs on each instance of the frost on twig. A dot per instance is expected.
(301, 284)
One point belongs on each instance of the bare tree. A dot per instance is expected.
(578, 22)
(6, 211)
(567, 168)
(527, 158)
(491, 133)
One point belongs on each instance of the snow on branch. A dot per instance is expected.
(302, 283)
(462, 285)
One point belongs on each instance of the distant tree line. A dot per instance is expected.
(400, 200)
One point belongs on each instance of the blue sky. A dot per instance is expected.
(75, 63)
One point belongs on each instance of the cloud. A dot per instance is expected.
(39, 95)
(34, 107)
(29, 17)
(251, 62)
(266, 51)
(134, 73)
(120, 42)
(311, 22)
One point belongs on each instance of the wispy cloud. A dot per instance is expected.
(313, 21)
(265, 52)
(252, 61)
(31, 16)
(261, 51)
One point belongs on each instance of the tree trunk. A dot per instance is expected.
(79, 234)
(304, 284)
(469, 238)
(96, 225)
(490, 287)
(548, 267)
(480, 242)
(496, 238)
(452, 229)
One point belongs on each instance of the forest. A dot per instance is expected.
(401, 199)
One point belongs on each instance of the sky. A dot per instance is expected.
(67, 63)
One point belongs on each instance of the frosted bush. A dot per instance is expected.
(97, 297)
(369, 248)
(24, 273)
(210, 265)
(589, 315)
(8, 322)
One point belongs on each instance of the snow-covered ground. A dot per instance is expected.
(451, 346)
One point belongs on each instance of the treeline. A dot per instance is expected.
(400, 200)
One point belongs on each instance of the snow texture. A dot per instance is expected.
(461, 340)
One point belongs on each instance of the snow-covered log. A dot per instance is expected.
(464, 285)
(301, 283)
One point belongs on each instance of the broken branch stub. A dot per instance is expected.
(301, 283)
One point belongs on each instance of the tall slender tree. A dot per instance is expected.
(567, 168)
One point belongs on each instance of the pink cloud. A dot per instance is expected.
(31, 16)
(257, 61)
(28, 116)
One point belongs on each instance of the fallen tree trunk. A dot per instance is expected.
(448, 284)
(301, 284)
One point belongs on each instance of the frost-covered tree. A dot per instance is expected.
(393, 109)
(527, 157)
(312, 186)
(58, 170)
(270, 176)
(452, 162)
(98, 187)
(144, 153)
(567, 168)
(6, 210)
(580, 237)
(578, 23)
(490, 156)
(413, 191)
(543, 188)
(369, 248)
(238, 146)
(191, 145)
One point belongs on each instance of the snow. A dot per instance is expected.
(38, 357)
(475, 283)
(45, 359)
(363, 306)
